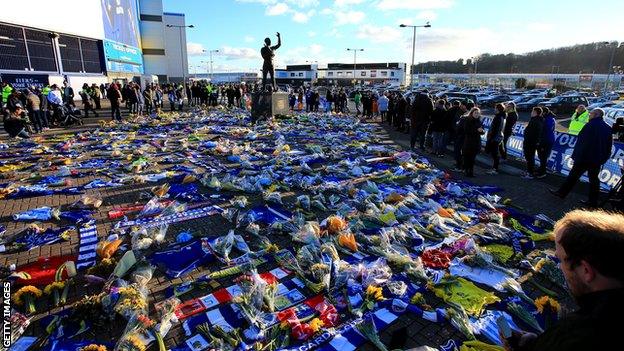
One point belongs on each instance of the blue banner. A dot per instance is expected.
(559, 160)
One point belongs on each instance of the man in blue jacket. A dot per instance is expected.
(592, 150)
(546, 141)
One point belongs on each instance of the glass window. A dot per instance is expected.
(363, 73)
(292, 74)
(40, 50)
(12, 48)
(330, 74)
(300, 74)
(384, 73)
(392, 74)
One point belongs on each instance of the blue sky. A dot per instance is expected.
(321, 30)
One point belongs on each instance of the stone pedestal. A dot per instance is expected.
(267, 104)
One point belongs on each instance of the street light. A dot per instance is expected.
(426, 25)
(355, 51)
(211, 52)
(617, 44)
(182, 53)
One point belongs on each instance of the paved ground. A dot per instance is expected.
(407, 332)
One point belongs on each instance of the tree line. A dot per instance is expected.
(582, 58)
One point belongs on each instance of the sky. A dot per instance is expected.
(321, 30)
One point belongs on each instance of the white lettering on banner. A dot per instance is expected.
(560, 158)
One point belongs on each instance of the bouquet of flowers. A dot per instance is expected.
(26, 296)
(369, 330)
(548, 308)
(53, 289)
(459, 319)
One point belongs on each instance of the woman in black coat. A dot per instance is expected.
(473, 129)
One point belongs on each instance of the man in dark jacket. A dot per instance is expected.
(438, 128)
(546, 141)
(420, 119)
(592, 150)
(532, 136)
(588, 245)
(458, 136)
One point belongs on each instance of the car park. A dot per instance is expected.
(565, 104)
(527, 106)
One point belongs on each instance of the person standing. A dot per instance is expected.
(459, 136)
(588, 247)
(438, 128)
(114, 96)
(68, 95)
(357, 98)
(420, 119)
(580, 117)
(85, 95)
(473, 130)
(33, 104)
(382, 104)
(158, 98)
(329, 99)
(592, 150)
(96, 96)
(148, 97)
(546, 142)
(510, 123)
(494, 138)
(401, 113)
(532, 137)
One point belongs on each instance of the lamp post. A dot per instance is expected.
(182, 53)
(610, 65)
(355, 51)
(426, 25)
(211, 52)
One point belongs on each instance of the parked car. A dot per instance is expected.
(523, 98)
(612, 114)
(528, 106)
(495, 99)
(602, 104)
(565, 104)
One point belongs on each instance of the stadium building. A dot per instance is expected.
(95, 42)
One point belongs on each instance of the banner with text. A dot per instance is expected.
(559, 160)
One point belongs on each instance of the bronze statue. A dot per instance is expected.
(268, 52)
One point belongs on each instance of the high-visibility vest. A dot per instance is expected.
(6, 91)
(46, 90)
(578, 122)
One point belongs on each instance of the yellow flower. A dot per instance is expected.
(284, 325)
(316, 324)
(374, 292)
(134, 343)
(29, 289)
(543, 302)
(94, 347)
(53, 286)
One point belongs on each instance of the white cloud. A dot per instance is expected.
(316, 49)
(413, 4)
(249, 39)
(231, 53)
(278, 9)
(427, 15)
(385, 34)
(343, 3)
(351, 17)
(303, 3)
(303, 17)
(311, 34)
(194, 49)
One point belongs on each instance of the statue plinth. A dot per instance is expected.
(268, 104)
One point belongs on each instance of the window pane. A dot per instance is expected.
(70, 54)
(12, 48)
(40, 50)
